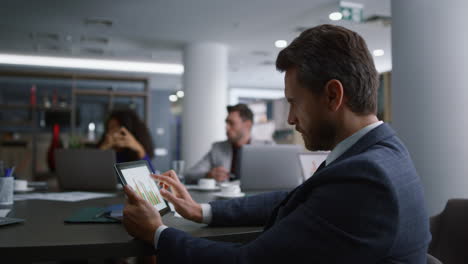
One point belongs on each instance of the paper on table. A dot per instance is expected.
(4, 212)
(62, 196)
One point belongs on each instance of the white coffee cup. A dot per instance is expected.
(230, 189)
(207, 183)
(21, 185)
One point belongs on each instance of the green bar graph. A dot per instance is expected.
(146, 192)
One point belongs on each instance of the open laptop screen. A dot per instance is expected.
(310, 161)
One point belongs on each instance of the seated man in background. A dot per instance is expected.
(220, 162)
(364, 204)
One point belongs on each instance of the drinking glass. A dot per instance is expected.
(178, 166)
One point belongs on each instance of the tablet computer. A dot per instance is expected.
(137, 175)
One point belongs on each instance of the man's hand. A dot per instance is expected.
(179, 196)
(220, 174)
(125, 139)
(140, 218)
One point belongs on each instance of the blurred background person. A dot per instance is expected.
(128, 135)
(220, 162)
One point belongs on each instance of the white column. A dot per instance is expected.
(430, 93)
(204, 107)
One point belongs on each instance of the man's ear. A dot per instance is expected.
(334, 95)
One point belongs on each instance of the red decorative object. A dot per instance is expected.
(55, 144)
(32, 96)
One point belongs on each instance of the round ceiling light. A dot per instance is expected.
(281, 43)
(335, 16)
(378, 52)
(173, 98)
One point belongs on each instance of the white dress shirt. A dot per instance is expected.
(337, 151)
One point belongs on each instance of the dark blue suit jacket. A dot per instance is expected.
(365, 207)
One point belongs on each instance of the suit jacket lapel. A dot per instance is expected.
(371, 138)
(277, 211)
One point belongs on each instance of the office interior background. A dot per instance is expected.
(179, 63)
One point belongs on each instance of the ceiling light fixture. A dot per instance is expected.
(335, 16)
(180, 94)
(281, 43)
(91, 64)
(378, 52)
(173, 98)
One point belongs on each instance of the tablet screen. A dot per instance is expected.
(139, 179)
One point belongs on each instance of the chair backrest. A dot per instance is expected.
(450, 233)
(432, 260)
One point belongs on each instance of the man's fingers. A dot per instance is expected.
(223, 170)
(131, 194)
(175, 185)
(169, 196)
(220, 169)
(166, 180)
(171, 174)
(220, 177)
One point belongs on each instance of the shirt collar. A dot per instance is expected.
(236, 148)
(347, 143)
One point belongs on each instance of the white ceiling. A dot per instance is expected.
(157, 30)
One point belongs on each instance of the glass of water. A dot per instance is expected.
(179, 166)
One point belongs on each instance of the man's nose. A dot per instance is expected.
(291, 119)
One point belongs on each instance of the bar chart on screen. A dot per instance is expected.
(146, 191)
(139, 179)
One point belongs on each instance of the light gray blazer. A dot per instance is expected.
(219, 155)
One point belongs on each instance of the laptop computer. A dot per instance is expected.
(9, 220)
(86, 169)
(269, 167)
(310, 161)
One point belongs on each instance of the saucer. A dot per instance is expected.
(229, 195)
(199, 188)
(24, 190)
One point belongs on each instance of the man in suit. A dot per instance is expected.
(220, 162)
(364, 204)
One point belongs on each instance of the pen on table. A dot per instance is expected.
(10, 172)
(101, 214)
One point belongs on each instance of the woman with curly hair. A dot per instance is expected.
(128, 136)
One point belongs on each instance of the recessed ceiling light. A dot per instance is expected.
(173, 98)
(45, 36)
(378, 52)
(94, 51)
(95, 39)
(281, 43)
(99, 21)
(91, 64)
(335, 16)
(180, 94)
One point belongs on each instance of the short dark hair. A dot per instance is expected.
(327, 52)
(244, 111)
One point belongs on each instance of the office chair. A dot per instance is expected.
(450, 233)
(432, 260)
